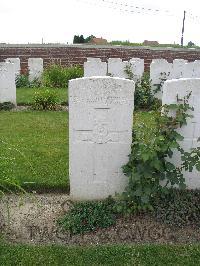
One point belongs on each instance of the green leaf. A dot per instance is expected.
(145, 199)
(179, 137)
(173, 106)
(198, 167)
(138, 192)
(145, 157)
(170, 166)
(157, 164)
(182, 186)
(174, 145)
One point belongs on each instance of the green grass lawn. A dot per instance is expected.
(144, 125)
(25, 95)
(100, 255)
(34, 148)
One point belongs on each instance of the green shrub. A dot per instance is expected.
(45, 99)
(6, 106)
(74, 72)
(22, 81)
(178, 208)
(36, 83)
(144, 98)
(148, 165)
(89, 216)
(58, 77)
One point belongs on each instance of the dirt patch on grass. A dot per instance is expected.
(33, 219)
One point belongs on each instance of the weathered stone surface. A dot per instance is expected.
(188, 70)
(100, 130)
(94, 67)
(7, 83)
(35, 66)
(160, 70)
(196, 73)
(116, 68)
(137, 67)
(178, 68)
(16, 62)
(190, 132)
(93, 59)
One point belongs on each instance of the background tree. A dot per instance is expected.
(81, 39)
(190, 44)
(78, 39)
(89, 38)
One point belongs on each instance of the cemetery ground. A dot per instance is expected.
(100, 255)
(25, 95)
(34, 145)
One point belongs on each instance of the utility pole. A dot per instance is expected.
(183, 28)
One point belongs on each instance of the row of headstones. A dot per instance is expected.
(114, 68)
(35, 67)
(9, 70)
(100, 132)
(161, 70)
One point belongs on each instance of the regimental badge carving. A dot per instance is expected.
(100, 133)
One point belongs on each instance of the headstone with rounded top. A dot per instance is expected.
(178, 68)
(160, 71)
(100, 135)
(196, 73)
(16, 62)
(181, 88)
(7, 83)
(137, 68)
(117, 68)
(35, 67)
(94, 67)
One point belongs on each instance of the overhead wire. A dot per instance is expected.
(131, 8)
(120, 6)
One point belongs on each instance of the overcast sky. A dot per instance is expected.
(57, 21)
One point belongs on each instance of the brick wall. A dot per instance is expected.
(67, 55)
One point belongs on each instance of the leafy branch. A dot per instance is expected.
(149, 168)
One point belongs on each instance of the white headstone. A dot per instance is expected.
(116, 68)
(100, 133)
(190, 132)
(35, 66)
(137, 67)
(16, 62)
(196, 73)
(160, 71)
(188, 70)
(178, 68)
(7, 83)
(93, 59)
(94, 67)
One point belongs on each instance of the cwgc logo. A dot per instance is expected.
(136, 233)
